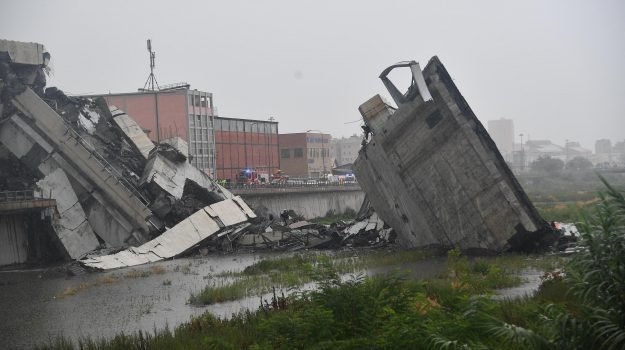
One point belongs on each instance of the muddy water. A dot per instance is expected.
(531, 282)
(33, 307)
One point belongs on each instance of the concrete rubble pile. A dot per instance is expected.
(113, 187)
(432, 172)
(367, 230)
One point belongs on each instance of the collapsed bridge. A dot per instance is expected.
(111, 185)
(431, 173)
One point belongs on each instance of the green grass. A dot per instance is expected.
(564, 211)
(294, 271)
(333, 217)
(478, 275)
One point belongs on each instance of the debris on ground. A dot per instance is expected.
(567, 242)
(366, 230)
(199, 226)
(432, 172)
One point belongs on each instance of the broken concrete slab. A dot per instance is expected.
(432, 172)
(230, 212)
(301, 224)
(171, 177)
(201, 225)
(356, 227)
(23, 53)
(179, 145)
(72, 227)
(133, 132)
(260, 239)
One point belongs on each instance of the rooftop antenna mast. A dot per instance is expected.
(151, 83)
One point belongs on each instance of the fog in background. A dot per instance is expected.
(557, 68)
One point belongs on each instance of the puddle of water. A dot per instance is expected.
(32, 312)
(531, 282)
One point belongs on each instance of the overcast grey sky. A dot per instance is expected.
(557, 68)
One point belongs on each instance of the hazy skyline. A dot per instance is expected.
(555, 67)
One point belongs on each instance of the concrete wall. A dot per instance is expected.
(310, 204)
(13, 239)
(26, 237)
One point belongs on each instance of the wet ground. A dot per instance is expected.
(38, 305)
(531, 282)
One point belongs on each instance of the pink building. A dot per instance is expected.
(305, 154)
(174, 112)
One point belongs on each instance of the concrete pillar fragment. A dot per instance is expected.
(72, 226)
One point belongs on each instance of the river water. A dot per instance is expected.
(38, 305)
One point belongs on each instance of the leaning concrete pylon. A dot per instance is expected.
(432, 172)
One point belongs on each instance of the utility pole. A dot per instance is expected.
(152, 85)
(522, 153)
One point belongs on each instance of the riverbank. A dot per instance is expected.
(156, 298)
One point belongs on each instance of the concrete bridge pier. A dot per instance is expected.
(26, 234)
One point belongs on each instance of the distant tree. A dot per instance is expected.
(579, 163)
(548, 165)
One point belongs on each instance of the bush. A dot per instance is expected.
(594, 285)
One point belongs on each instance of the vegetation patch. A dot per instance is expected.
(564, 211)
(474, 275)
(158, 270)
(333, 217)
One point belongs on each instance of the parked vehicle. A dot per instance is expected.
(312, 182)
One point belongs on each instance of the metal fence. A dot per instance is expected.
(14, 196)
(295, 184)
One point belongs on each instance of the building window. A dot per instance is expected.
(285, 153)
(298, 153)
